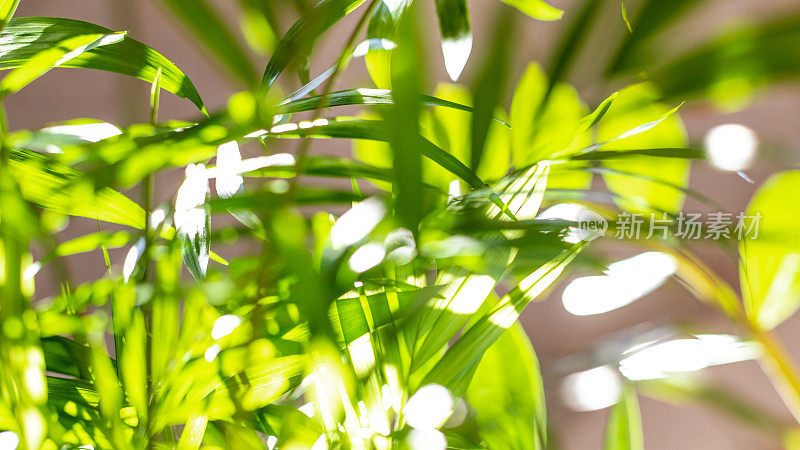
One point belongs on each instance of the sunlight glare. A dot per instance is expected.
(686, 355)
(624, 282)
(592, 389)
(429, 407)
(224, 326)
(731, 147)
(366, 257)
(357, 223)
(427, 439)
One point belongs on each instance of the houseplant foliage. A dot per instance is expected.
(382, 314)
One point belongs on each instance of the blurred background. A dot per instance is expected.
(566, 343)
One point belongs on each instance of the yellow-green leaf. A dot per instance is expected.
(770, 262)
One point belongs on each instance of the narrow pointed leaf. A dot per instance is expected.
(374, 130)
(538, 9)
(471, 346)
(300, 39)
(24, 37)
(456, 35)
(624, 427)
(206, 25)
(50, 58)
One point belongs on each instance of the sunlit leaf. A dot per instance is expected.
(471, 346)
(561, 116)
(59, 54)
(383, 24)
(25, 37)
(192, 219)
(507, 394)
(770, 260)
(51, 185)
(538, 9)
(456, 35)
(7, 9)
(624, 427)
(490, 86)
(635, 106)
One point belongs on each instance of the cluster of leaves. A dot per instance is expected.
(393, 325)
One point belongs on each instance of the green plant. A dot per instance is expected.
(393, 325)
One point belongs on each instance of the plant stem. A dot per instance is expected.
(781, 369)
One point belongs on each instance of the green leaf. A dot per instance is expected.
(470, 347)
(299, 40)
(448, 127)
(770, 263)
(383, 23)
(538, 9)
(193, 220)
(653, 17)
(55, 56)
(57, 187)
(361, 97)
(625, 16)
(64, 356)
(456, 35)
(491, 85)
(451, 130)
(402, 122)
(133, 367)
(350, 316)
(568, 48)
(193, 432)
(24, 37)
(259, 25)
(731, 67)
(375, 130)
(624, 427)
(7, 10)
(205, 23)
(507, 394)
(622, 125)
(561, 117)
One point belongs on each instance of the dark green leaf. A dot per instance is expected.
(653, 17)
(299, 40)
(456, 35)
(491, 84)
(374, 130)
(205, 22)
(402, 122)
(730, 67)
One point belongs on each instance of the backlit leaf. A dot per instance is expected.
(770, 262)
(24, 37)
